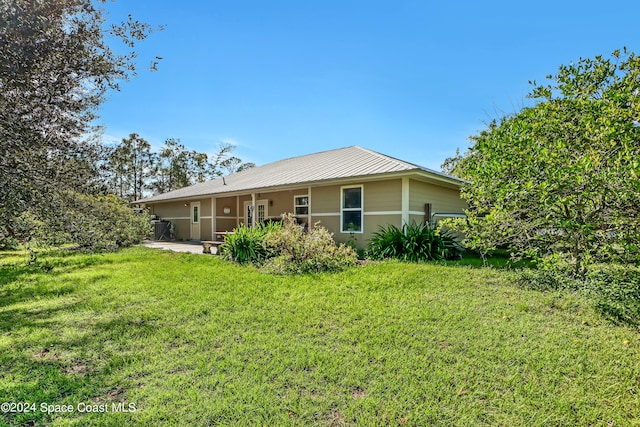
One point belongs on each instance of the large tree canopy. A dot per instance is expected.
(55, 67)
(561, 178)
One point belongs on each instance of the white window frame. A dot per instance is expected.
(360, 209)
(296, 205)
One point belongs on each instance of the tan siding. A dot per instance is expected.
(442, 199)
(383, 196)
(205, 207)
(325, 199)
(205, 230)
(183, 229)
(332, 224)
(170, 210)
(281, 202)
(225, 224)
(226, 202)
(372, 224)
(418, 219)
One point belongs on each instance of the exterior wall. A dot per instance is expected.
(180, 216)
(442, 199)
(383, 196)
(225, 222)
(325, 209)
(170, 210)
(382, 202)
(177, 213)
(205, 208)
(382, 206)
(281, 202)
(242, 200)
(325, 200)
(372, 224)
(182, 228)
(205, 229)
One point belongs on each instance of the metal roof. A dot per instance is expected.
(349, 162)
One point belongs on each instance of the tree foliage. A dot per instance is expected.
(132, 170)
(454, 165)
(55, 68)
(129, 166)
(561, 179)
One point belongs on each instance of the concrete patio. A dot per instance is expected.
(193, 246)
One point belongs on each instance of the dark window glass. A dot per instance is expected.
(352, 221)
(352, 198)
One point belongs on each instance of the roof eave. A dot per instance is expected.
(443, 179)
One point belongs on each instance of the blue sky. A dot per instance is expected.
(411, 79)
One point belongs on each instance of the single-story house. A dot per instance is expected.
(351, 191)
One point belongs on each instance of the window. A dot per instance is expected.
(195, 214)
(301, 205)
(261, 212)
(351, 210)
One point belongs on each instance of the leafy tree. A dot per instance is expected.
(129, 165)
(454, 165)
(177, 167)
(55, 68)
(560, 180)
(234, 164)
(171, 167)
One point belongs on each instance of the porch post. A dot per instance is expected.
(309, 219)
(405, 201)
(213, 218)
(254, 210)
(238, 211)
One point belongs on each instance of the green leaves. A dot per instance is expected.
(413, 242)
(561, 176)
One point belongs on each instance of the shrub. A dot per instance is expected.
(549, 275)
(104, 222)
(413, 242)
(88, 221)
(245, 244)
(290, 250)
(615, 291)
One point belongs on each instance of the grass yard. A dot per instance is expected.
(191, 340)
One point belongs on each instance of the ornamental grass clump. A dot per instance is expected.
(245, 245)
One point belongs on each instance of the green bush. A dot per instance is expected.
(549, 275)
(88, 221)
(245, 244)
(291, 250)
(413, 242)
(615, 290)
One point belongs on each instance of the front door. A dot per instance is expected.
(195, 220)
(260, 214)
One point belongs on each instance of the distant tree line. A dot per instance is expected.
(132, 171)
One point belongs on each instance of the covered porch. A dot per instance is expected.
(206, 218)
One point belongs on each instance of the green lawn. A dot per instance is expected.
(192, 340)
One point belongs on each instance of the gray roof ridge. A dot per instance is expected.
(387, 157)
